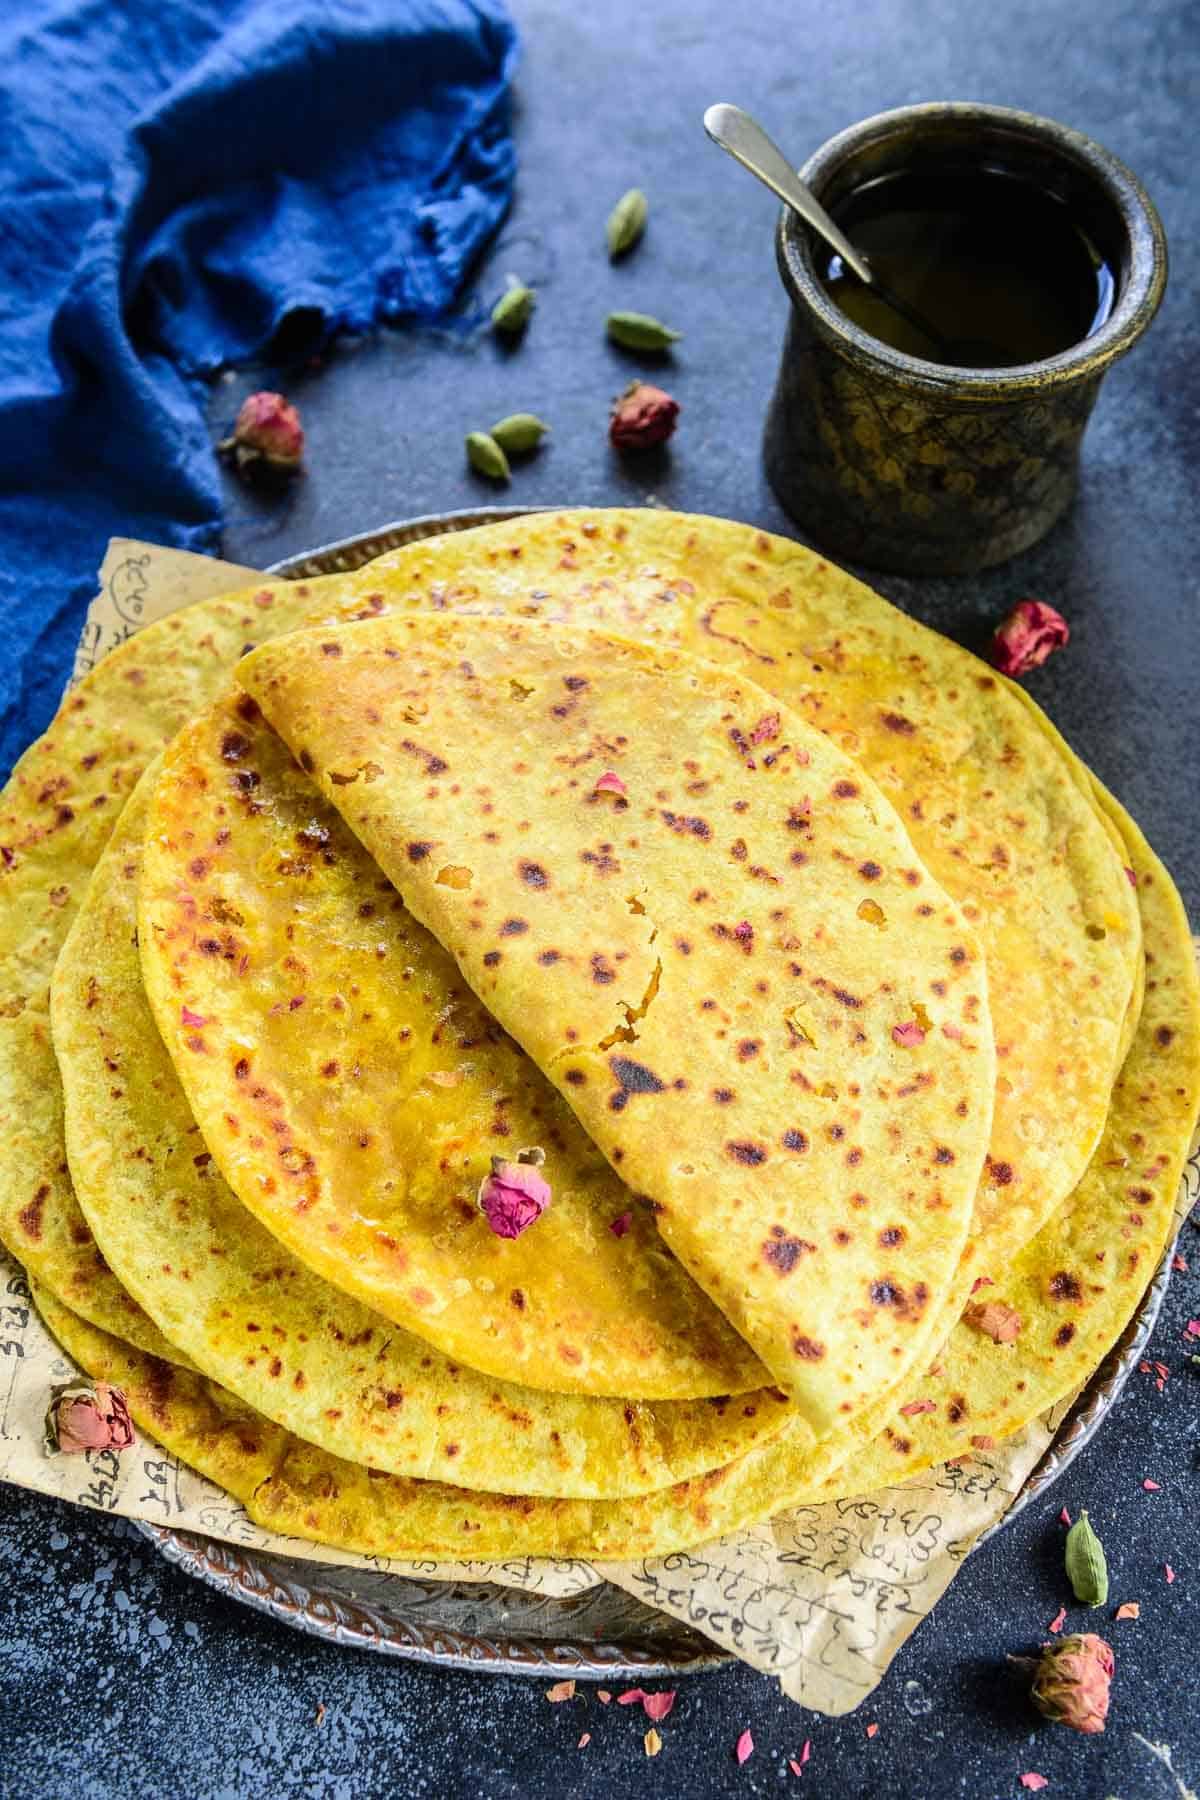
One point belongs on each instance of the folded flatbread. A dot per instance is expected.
(732, 964)
(995, 810)
(261, 1323)
(354, 1091)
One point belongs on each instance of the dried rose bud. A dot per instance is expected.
(1032, 632)
(267, 431)
(642, 417)
(1072, 1682)
(85, 1415)
(514, 1194)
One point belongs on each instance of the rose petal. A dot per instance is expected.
(1128, 1609)
(872, 1730)
(1058, 1621)
(621, 1224)
(188, 1017)
(1032, 632)
(744, 1748)
(766, 729)
(1034, 1782)
(918, 1406)
(1151, 1487)
(981, 1281)
(584, 1740)
(1129, 875)
(1169, 1572)
(1179, 1263)
(1064, 1517)
(909, 1034)
(610, 783)
(1192, 1328)
(657, 1706)
(562, 1690)
(996, 1320)
(652, 1742)
(631, 1696)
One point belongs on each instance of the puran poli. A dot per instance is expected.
(290, 1486)
(287, 1485)
(328, 1496)
(1075, 1285)
(339, 1037)
(991, 805)
(58, 810)
(254, 1319)
(980, 789)
(699, 961)
(56, 814)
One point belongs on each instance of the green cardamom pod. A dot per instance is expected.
(486, 457)
(511, 311)
(638, 331)
(518, 432)
(1087, 1570)
(626, 223)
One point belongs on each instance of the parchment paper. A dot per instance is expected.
(822, 1597)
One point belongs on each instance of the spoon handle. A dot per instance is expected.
(746, 141)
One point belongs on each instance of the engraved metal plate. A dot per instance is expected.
(603, 1633)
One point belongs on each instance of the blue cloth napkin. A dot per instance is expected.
(179, 181)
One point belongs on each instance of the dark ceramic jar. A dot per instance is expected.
(918, 466)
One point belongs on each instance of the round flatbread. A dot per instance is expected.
(1036, 1330)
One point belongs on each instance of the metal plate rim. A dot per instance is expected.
(246, 1576)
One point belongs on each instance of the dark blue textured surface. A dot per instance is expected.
(183, 184)
(120, 1679)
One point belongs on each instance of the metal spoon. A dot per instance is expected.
(747, 142)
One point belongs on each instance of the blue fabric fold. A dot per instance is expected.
(186, 184)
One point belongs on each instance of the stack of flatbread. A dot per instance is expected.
(576, 1038)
